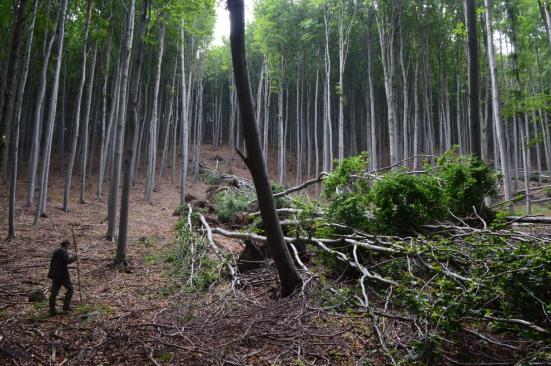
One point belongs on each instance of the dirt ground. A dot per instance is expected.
(132, 318)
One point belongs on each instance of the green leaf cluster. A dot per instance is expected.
(399, 201)
(229, 203)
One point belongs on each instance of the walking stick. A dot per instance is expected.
(78, 264)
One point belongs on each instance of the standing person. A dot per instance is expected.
(59, 274)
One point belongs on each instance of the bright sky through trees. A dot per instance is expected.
(222, 26)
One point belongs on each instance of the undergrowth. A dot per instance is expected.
(192, 267)
(229, 203)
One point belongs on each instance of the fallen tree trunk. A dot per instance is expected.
(529, 219)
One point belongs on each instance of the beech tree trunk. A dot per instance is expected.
(185, 121)
(122, 242)
(14, 139)
(84, 148)
(104, 133)
(474, 77)
(121, 121)
(289, 277)
(51, 118)
(11, 78)
(171, 120)
(153, 125)
(76, 125)
(504, 156)
(39, 112)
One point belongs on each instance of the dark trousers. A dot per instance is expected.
(56, 286)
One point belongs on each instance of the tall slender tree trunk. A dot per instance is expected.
(122, 242)
(545, 9)
(288, 275)
(267, 97)
(185, 120)
(51, 118)
(153, 125)
(14, 139)
(11, 77)
(171, 120)
(387, 26)
(121, 122)
(504, 157)
(78, 103)
(372, 122)
(327, 126)
(110, 135)
(199, 129)
(343, 50)
(405, 107)
(39, 112)
(316, 146)
(474, 77)
(417, 117)
(103, 133)
(280, 127)
(84, 150)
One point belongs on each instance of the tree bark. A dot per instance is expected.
(84, 150)
(185, 121)
(121, 121)
(122, 242)
(171, 120)
(289, 277)
(41, 207)
(495, 104)
(11, 77)
(153, 125)
(76, 125)
(474, 77)
(14, 139)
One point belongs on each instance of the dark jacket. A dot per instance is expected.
(58, 265)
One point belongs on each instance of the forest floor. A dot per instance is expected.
(142, 317)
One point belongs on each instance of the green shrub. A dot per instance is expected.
(212, 178)
(280, 202)
(465, 181)
(228, 203)
(403, 201)
(343, 176)
(349, 209)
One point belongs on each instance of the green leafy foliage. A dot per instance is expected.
(212, 178)
(193, 268)
(465, 181)
(401, 201)
(504, 283)
(229, 203)
(344, 176)
(280, 202)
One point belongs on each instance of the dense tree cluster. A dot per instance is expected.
(103, 86)
(108, 87)
(392, 78)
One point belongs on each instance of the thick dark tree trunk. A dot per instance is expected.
(290, 280)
